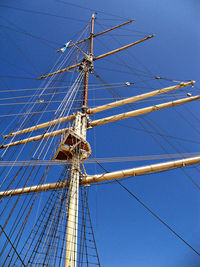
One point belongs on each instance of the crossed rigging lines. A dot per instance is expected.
(147, 207)
(150, 210)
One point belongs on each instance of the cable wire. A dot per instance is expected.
(150, 210)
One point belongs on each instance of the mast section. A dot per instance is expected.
(75, 138)
(80, 128)
(86, 78)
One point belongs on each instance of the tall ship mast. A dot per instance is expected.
(48, 155)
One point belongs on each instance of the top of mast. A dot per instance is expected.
(76, 141)
(88, 65)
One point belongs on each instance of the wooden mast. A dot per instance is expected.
(72, 203)
(80, 129)
(86, 78)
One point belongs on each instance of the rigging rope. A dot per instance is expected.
(150, 210)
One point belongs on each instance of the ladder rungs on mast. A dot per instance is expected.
(137, 98)
(142, 111)
(107, 176)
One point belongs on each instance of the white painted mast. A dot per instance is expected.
(73, 201)
(80, 149)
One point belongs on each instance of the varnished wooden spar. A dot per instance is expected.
(42, 125)
(107, 176)
(98, 34)
(35, 188)
(35, 138)
(142, 111)
(137, 98)
(123, 47)
(98, 57)
(101, 108)
(60, 71)
(93, 123)
(141, 170)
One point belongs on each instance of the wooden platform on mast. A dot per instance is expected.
(69, 144)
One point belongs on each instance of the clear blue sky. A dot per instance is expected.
(126, 234)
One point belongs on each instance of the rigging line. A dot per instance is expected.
(50, 230)
(70, 93)
(26, 218)
(49, 200)
(102, 160)
(74, 92)
(177, 150)
(50, 111)
(21, 123)
(18, 183)
(16, 66)
(31, 35)
(37, 245)
(19, 218)
(129, 178)
(11, 109)
(20, 50)
(30, 109)
(157, 141)
(118, 63)
(181, 115)
(121, 71)
(171, 94)
(128, 35)
(187, 120)
(164, 149)
(30, 113)
(84, 234)
(69, 53)
(151, 211)
(52, 78)
(37, 223)
(121, 60)
(87, 8)
(174, 137)
(99, 86)
(141, 63)
(193, 115)
(26, 113)
(12, 246)
(90, 221)
(132, 70)
(184, 118)
(19, 77)
(124, 28)
(165, 97)
(42, 13)
(42, 140)
(6, 85)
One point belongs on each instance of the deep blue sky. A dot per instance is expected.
(126, 234)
